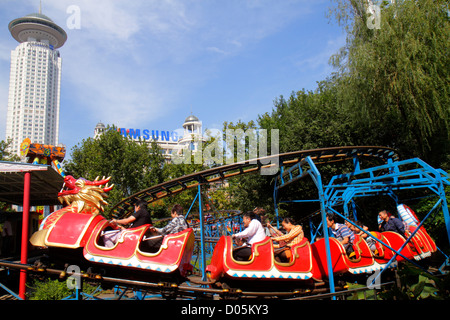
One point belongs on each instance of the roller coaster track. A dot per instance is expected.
(319, 156)
(192, 288)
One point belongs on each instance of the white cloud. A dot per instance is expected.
(217, 50)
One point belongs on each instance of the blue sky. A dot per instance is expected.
(147, 64)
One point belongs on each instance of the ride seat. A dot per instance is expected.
(151, 241)
(287, 251)
(379, 251)
(416, 243)
(356, 253)
(100, 238)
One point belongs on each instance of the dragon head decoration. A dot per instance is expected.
(85, 195)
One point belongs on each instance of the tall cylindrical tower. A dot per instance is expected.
(35, 78)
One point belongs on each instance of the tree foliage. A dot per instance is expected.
(5, 153)
(309, 120)
(394, 80)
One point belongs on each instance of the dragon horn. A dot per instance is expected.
(98, 182)
(107, 189)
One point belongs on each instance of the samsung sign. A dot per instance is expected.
(146, 134)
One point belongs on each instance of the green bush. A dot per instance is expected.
(416, 284)
(49, 290)
(55, 290)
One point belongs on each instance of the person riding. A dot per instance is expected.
(390, 223)
(359, 230)
(177, 224)
(254, 232)
(139, 218)
(259, 213)
(293, 236)
(341, 232)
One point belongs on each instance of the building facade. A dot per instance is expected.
(171, 142)
(35, 79)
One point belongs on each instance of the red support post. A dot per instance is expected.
(25, 227)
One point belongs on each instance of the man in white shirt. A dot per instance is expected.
(254, 232)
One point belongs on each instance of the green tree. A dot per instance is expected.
(5, 154)
(238, 138)
(185, 198)
(309, 120)
(245, 192)
(394, 79)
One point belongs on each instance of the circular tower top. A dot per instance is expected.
(100, 125)
(39, 27)
(191, 118)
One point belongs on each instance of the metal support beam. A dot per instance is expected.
(317, 178)
(444, 208)
(202, 233)
(25, 227)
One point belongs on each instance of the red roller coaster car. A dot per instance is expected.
(73, 230)
(76, 233)
(309, 261)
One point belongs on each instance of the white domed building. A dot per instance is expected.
(192, 135)
(99, 130)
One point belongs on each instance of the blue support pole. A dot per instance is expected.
(202, 233)
(275, 195)
(192, 204)
(315, 175)
(312, 231)
(275, 203)
(138, 295)
(356, 164)
(445, 209)
(327, 247)
(10, 292)
(355, 215)
(397, 252)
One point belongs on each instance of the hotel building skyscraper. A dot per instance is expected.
(35, 78)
